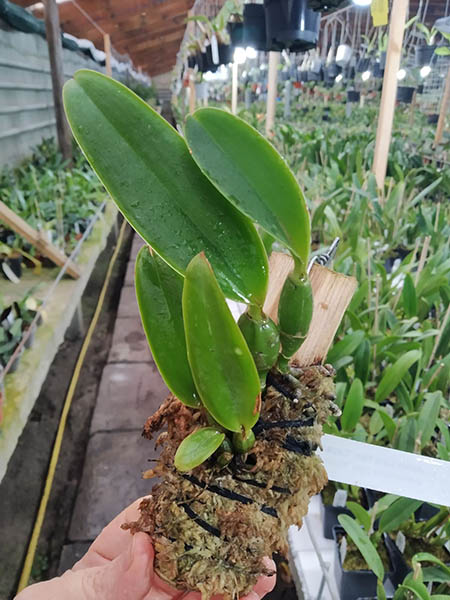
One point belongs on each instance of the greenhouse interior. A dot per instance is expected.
(225, 299)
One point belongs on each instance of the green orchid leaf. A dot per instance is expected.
(159, 291)
(393, 374)
(409, 297)
(428, 416)
(363, 543)
(397, 513)
(197, 447)
(360, 514)
(345, 347)
(418, 589)
(146, 167)
(353, 406)
(248, 170)
(224, 372)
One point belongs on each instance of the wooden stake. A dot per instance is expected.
(332, 293)
(423, 257)
(107, 48)
(389, 92)
(443, 111)
(234, 87)
(21, 227)
(274, 59)
(53, 32)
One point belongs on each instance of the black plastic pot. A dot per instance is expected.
(377, 70)
(30, 340)
(399, 567)
(349, 73)
(383, 60)
(432, 119)
(425, 512)
(405, 94)
(352, 584)
(424, 55)
(225, 54)
(15, 264)
(255, 26)
(313, 76)
(330, 518)
(353, 96)
(330, 72)
(419, 89)
(291, 24)
(191, 62)
(236, 32)
(363, 65)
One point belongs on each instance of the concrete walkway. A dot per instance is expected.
(130, 390)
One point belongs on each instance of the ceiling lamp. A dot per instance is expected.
(366, 75)
(362, 2)
(250, 52)
(401, 74)
(425, 71)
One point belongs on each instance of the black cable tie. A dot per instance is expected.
(264, 425)
(286, 391)
(203, 524)
(229, 495)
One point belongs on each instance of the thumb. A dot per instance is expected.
(129, 576)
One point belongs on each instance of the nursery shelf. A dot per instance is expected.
(21, 388)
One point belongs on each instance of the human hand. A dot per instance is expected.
(119, 566)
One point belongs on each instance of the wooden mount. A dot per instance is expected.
(332, 293)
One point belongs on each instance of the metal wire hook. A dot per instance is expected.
(325, 258)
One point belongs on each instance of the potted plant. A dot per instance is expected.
(291, 25)
(241, 404)
(424, 53)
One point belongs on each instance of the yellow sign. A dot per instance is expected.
(379, 10)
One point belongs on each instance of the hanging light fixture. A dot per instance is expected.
(362, 2)
(239, 55)
(401, 74)
(425, 71)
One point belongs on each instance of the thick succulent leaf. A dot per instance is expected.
(146, 167)
(223, 369)
(197, 447)
(248, 170)
(159, 291)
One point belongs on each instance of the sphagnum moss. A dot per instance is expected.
(212, 526)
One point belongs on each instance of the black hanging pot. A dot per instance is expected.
(432, 120)
(236, 32)
(225, 54)
(291, 24)
(325, 5)
(424, 55)
(191, 62)
(211, 65)
(353, 96)
(405, 94)
(254, 26)
(202, 61)
(419, 89)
